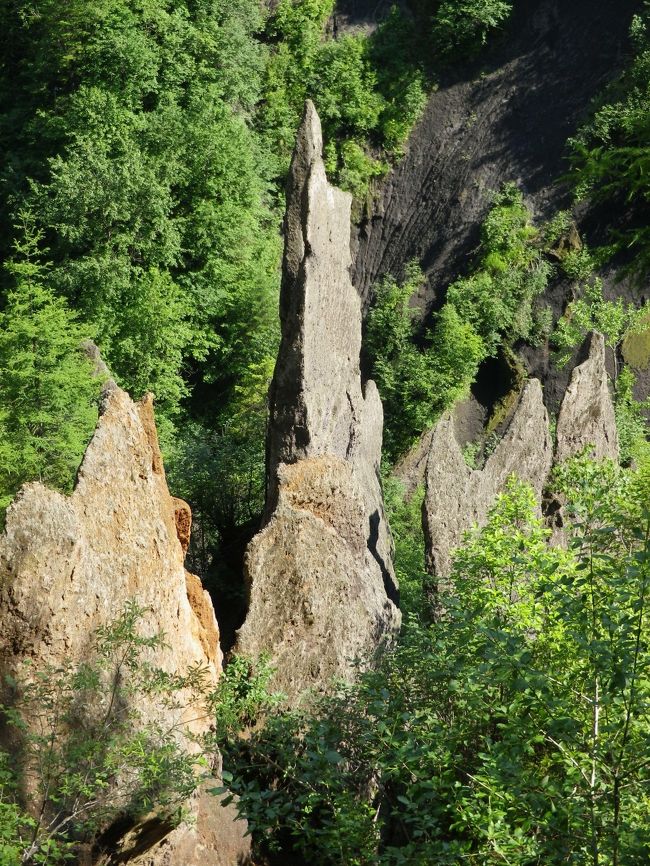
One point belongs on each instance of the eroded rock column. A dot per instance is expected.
(322, 586)
(457, 497)
(69, 564)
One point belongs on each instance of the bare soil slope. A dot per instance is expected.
(508, 120)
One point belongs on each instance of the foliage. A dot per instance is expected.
(242, 696)
(415, 385)
(48, 395)
(512, 730)
(492, 306)
(464, 26)
(295, 33)
(359, 103)
(15, 824)
(631, 421)
(405, 519)
(497, 298)
(591, 312)
(610, 154)
(84, 751)
(129, 146)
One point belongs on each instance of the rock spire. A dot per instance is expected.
(322, 586)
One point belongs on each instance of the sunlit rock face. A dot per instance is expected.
(69, 564)
(587, 413)
(458, 497)
(322, 586)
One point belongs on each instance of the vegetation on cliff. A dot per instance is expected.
(610, 154)
(491, 307)
(146, 145)
(512, 728)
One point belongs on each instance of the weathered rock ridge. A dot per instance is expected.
(322, 587)
(69, 564)
(457, 497)
(587, 412)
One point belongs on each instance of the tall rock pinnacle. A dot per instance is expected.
(322, 588)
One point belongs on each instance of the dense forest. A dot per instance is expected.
(146, 145)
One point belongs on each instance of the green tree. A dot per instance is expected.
(48, 396)
(142, 171)
(511, 729)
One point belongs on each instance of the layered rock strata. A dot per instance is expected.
(322, 586)
(69, 564)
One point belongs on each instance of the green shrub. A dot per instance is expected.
(83, 749)
(415, 384)
(631, 422)
(464, 25)
(578, 264)
(611, 155)
(405, 518)
(591, 312)
(510, 273)
(512, 730)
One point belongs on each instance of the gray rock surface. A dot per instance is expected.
(411, 469)
(326, 536)
(457, 497)
(68, 564)
(587, 412)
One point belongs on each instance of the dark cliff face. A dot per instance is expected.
(506, 120)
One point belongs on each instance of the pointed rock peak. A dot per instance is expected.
(322, 585)
(307, 152)
(456, 497)
(587, 412)
(309, 141)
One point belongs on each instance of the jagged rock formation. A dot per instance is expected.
(69, 565)
(587, 412)
(322, 587)
(586, 419)
(457, 497)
